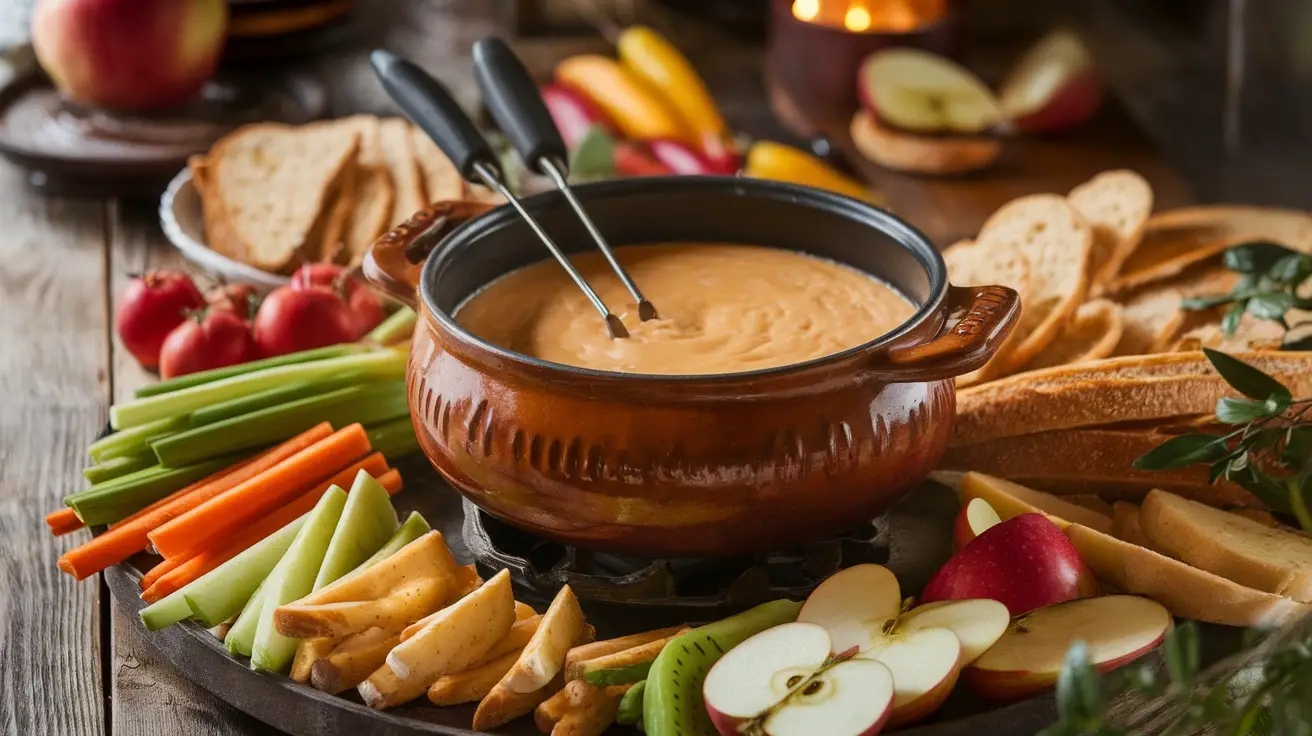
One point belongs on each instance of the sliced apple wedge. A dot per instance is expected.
(1012, 499)
(1054, 86)
(977, 622)
(776, 683)
(924, 93)
(1118, 629)
(854, 605)
(925, 664)
(975, 517)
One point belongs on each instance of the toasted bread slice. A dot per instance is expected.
(1229, 545)
(1093, 333)
(1002, 263)
(937, 155)
(327, 239)
(1154, 318)
(1108, 391)
(374, 191)
(1126, 526)
(1117, 204)
(1064, 460)
(1056, 240)
(398, 151)
(442, 181)
(218, 231)
(1177, 239)
(276, 185)
(1186, 591)
(482, 195)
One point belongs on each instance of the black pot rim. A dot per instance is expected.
(894, 227)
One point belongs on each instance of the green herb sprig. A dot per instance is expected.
(1271, 283)
(1269, 451)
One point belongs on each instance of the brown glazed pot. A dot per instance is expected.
(685, 465)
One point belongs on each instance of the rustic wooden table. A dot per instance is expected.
(71, 662)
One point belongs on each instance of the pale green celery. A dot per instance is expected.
(196, 379)
(395, 439)
(122, 497)
(117, 467)
(377, 364)
(400, 325)
(132, 441)
(241, 635)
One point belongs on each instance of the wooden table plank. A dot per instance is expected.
(53, 377)
(149, 697)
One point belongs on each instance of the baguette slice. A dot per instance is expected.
(442, 181)
(399, 153)
(1107, 391)
(1117, 204)
(934, 155)
(276, 184)
(1153, 315)
(1092, 334)
(1186, 591)
(1126, 526)
(374, 191)
(1229, 545)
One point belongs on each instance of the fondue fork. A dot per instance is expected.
(512, 97)
(428, 104)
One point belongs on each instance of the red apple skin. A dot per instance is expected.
(129, 54)
(1072, 106)
(1025, 563)
(1014, 685)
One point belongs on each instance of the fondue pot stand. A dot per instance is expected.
(720, 464)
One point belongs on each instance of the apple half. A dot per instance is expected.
(1117, 629)
(975, 517)
(1054, 87)
(782, 682)
(921, 92)
(861, 608)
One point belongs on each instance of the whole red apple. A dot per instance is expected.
(1024, 563)
(129, 54)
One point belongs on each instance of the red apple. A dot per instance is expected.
(920, 92)
(1054, 86)
(1025, 563)
(129, 54)
(777, 684)
(1117, 629)
(976, 517)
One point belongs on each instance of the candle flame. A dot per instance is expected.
(806, 10)
(856, 19)
(871, 16)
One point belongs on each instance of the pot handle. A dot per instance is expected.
(395, 260)
(985, 316)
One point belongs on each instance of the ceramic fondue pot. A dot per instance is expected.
(685, 464)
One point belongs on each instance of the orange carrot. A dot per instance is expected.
(63, 521)
(174, 496)
(225, 514)
(159, 571)
(130, 537)
(205, 561)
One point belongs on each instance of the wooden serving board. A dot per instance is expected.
(921, 528)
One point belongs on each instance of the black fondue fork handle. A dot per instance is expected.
(513, 99)
(429, 104)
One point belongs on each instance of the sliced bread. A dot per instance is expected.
(442, 181)
(374, 191)
(1092, 334)
(1229, 545)
(1001, 263)
(1186, 591)
(1116, 204)
(919, 154)
(274, 185)
(1154, 318)
(1126, 526)
(397, 144)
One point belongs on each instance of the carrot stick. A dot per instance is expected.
(129, 538)
(63, 521)
(242, 505)
(172, 497)
(159, 571)
(209, 559)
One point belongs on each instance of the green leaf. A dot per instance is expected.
(1243, 377)
(1254, 257)
(1272, 305)
(1181, 649)
(1182, 451)
(1230, 410)
(1206, 302)
(1291, 269)
(594, 156)
(1268, 490)
(1230, 322)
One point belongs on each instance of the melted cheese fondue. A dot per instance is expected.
(723, 309)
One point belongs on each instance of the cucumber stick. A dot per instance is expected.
(220, 593)
(367, 522)
(630, 711)
(241, 635)
(196, 379)
(380, 364)
(293, 578)
(414, 527)
(164, 612)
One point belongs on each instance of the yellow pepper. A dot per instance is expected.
(666, 71)
(638, 112)
(770, 160)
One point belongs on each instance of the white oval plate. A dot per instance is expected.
(184, 225)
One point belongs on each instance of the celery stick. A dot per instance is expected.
(121, 497)
(292, 579)
(400, 325)
(166, 611)
(395, 439)
(378, 364)
(364, 404)
(196, 379)
(117, 467)
(241, 635)
(130, 441)
(271, 397)
(220, 593)
(368, 521)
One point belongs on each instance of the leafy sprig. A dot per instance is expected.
(1269, 451)
(1271, 283)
